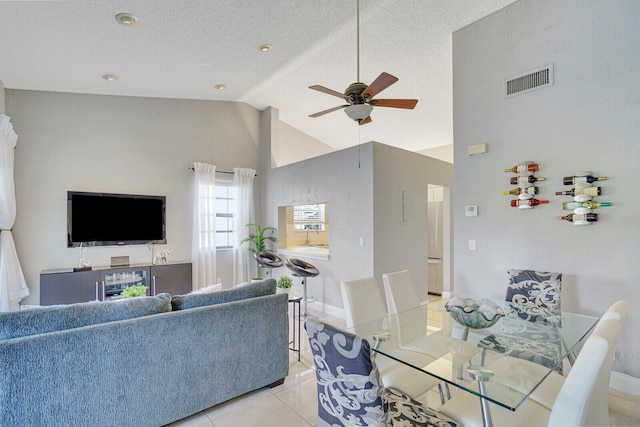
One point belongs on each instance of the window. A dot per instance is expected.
(308, 217)
(222, 226)
(225, 213)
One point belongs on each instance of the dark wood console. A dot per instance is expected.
(66, 286)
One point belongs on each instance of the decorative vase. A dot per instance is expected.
(474, 314)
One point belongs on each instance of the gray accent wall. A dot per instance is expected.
(120, 145)
(587, 121)
(363, 186)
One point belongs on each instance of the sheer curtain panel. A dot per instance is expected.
(13, 287)
(243, 183)
(203, 246)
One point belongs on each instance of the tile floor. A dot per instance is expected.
(294, 404)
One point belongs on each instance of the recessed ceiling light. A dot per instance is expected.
(264, 47)
(126, 19)
(110, 77)
(221, 86)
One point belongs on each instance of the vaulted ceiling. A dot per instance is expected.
(183, 49)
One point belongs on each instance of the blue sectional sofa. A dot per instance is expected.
(140, 362)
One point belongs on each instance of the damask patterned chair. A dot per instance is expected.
(534, 288)
(350, 392)
(533, 296)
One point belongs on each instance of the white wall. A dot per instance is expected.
(294, 145)
(120, 145)
(588, 120)
(443, 152)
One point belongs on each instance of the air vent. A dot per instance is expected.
(531, 80)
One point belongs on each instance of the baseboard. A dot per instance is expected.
(625, 383)
(327, 309)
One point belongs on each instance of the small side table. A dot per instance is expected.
(294, 344)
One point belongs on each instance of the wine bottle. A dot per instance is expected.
(589, 205)
(588, 191)
(522, 180)
(590, 217)
(518, 191)
(570, 180)
(528, 167)
(530, 202)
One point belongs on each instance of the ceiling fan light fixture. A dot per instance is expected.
(358, 111)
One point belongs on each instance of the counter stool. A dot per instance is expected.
(302, 269)
(268, 260)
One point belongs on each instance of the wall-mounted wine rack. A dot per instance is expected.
(525, 180)
(583, 192)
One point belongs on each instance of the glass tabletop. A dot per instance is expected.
(512, 357)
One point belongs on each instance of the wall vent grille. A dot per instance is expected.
(531, 80)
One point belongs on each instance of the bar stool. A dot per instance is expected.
(302, 269)
(268, 260)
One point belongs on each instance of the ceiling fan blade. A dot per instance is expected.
(327, 91)
(383, 81)
(395, 103)
(365, 121)
(322, 113)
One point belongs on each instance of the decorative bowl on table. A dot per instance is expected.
(474, 314)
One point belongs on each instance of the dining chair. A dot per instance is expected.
(535, 288)
(350, 390)
(578, 403)
(535, 297)
(546, 393)
(363, 302)
(411, 328)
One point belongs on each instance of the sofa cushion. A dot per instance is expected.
(256, 289)
(40, 320)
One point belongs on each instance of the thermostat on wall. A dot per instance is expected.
(471, 210)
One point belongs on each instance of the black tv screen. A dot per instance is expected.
(103, 219)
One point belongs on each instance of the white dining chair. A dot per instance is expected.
(363, 302)
(547, 392)
(578, 403)
(411, 329)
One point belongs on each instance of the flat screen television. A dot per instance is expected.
(104, 219)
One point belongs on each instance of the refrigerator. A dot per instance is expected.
(434, 255)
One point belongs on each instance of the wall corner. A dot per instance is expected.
(2, 102)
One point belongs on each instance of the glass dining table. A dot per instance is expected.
(502, 364)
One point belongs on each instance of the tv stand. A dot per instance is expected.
(66, 286)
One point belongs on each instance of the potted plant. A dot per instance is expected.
(284, 284)
(258, 239)
(133, 291)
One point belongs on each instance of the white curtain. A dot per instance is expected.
(13, 287)
(244, 214)
(203, 246)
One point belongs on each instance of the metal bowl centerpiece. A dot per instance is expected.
(474, 314)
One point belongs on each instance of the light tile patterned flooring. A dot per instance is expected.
(294, 403)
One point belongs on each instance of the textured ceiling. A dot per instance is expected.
(182, 49)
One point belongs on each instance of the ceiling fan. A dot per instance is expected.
(359, 96)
